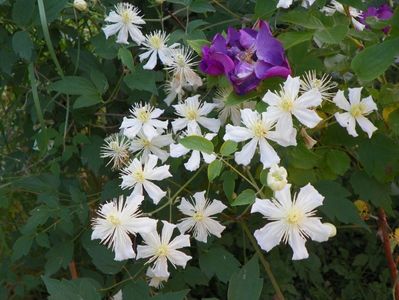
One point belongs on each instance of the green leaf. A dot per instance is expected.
(292, 38)
(214, 169)
(201, 6)
(228, 147)
(264, 9)
(369, 189)
(21, 247)
(91, 153)
(246, 283)
(338, 161)
(125, 55)
(58, 257)
(197, 45)
(99, 80)
(82, 288)
(22, 11)
(136, 290)
(196, 142)
(336, 205)
(373, 61)
(229, 183)
(180, 295)
(22, 45)
(218, 261)
(302, 158)
(332, 35)
(86, 101)
(142, 80)
(244, 198)
(74, 85)
(298, 18)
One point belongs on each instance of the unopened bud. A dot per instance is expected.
(80, 5)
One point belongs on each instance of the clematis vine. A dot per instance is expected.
(246, 57)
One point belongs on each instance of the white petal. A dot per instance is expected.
(123, 245)
(249, 117)
(355, 95)
(284, 3)
(179, 124)
(271, 98)
(346, 120)
(123, 35)
(340, 100)
(141, 225)
(237, 134)
(308, 198)
(194, 161)
(111, 29)
(208, 158)
(268, 156)
(152, 62)
(270, 235)
(316, 230)
(186, 225)
(177, 150)
(206, 108)
(307, 117)
(178, 258)
(267, 208)
(136, 34)
(211, 124)
(244, 156)
(159, 173)
(310, 98)
(161, 267)
(180, 241)
(369, 104)
(167, 231)
(366, 125)
(145, 55)
(149, 130)
(297, 243)
(284, 196)
(215, 207)
(291, 87)
(154, 192)
(213, 227)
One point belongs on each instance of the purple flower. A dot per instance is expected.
(246, 57)
(383, 12)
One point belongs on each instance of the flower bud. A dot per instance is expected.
(333, 229)
(277, 178)
(363, 209)
(80, 5)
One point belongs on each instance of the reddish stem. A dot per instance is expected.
(383, 228)
(72, 270)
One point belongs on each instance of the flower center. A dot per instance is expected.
(155, 42)
(180, 61)
(139, 176)
(286, 104)
(113, 219)
(277, 176)
(192, 115)
(294, 216)
(146, 143)
(357, 110)
(143, 115)
(126, 17)
(198, 216)
(163, 250)
(259, 129)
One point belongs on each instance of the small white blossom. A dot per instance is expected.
(286, 103)
(231, 112)
(173, 88)
(156, 281)
(356, 110)
(144, 117)
(156, 45)
(258, 128)
(193, 163)
(138, 176)
(354, 13)
(288, 3)
(323, 85)
(116, 149)
(200, 212)
(160, 249)
(126, 20)
(193, 113)
(80, 5)
(117, 219)
(277, 178)
(292, 220)
(152, 145)
(180, 66)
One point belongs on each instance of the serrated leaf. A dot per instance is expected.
(244, 198)
(214, 169)
(196, 142)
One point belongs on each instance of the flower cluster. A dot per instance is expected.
(150, 137)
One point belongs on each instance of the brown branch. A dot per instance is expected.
(72, 270)
(383, 228)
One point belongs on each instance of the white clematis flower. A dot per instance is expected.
(258, 128)
(156, 45)
(277, 178)
(161, 250)
(193, 163)
(137, 176)
(156, 281)
(152, 145)
(310, 81)
(116, 149)
(354, 13)
(200, 218)
(193, 113)
(117, 219)
(144, 117)
(126, 20)
(284, 105)
(356, 110)
(292, 220)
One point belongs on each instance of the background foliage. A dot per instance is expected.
(64, 87)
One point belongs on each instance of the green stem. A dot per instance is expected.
(264, 262)
(35, 95)
(227, 9)
(238, 172)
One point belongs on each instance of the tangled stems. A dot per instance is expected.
(263, 260)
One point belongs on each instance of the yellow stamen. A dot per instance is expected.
(162, 250)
